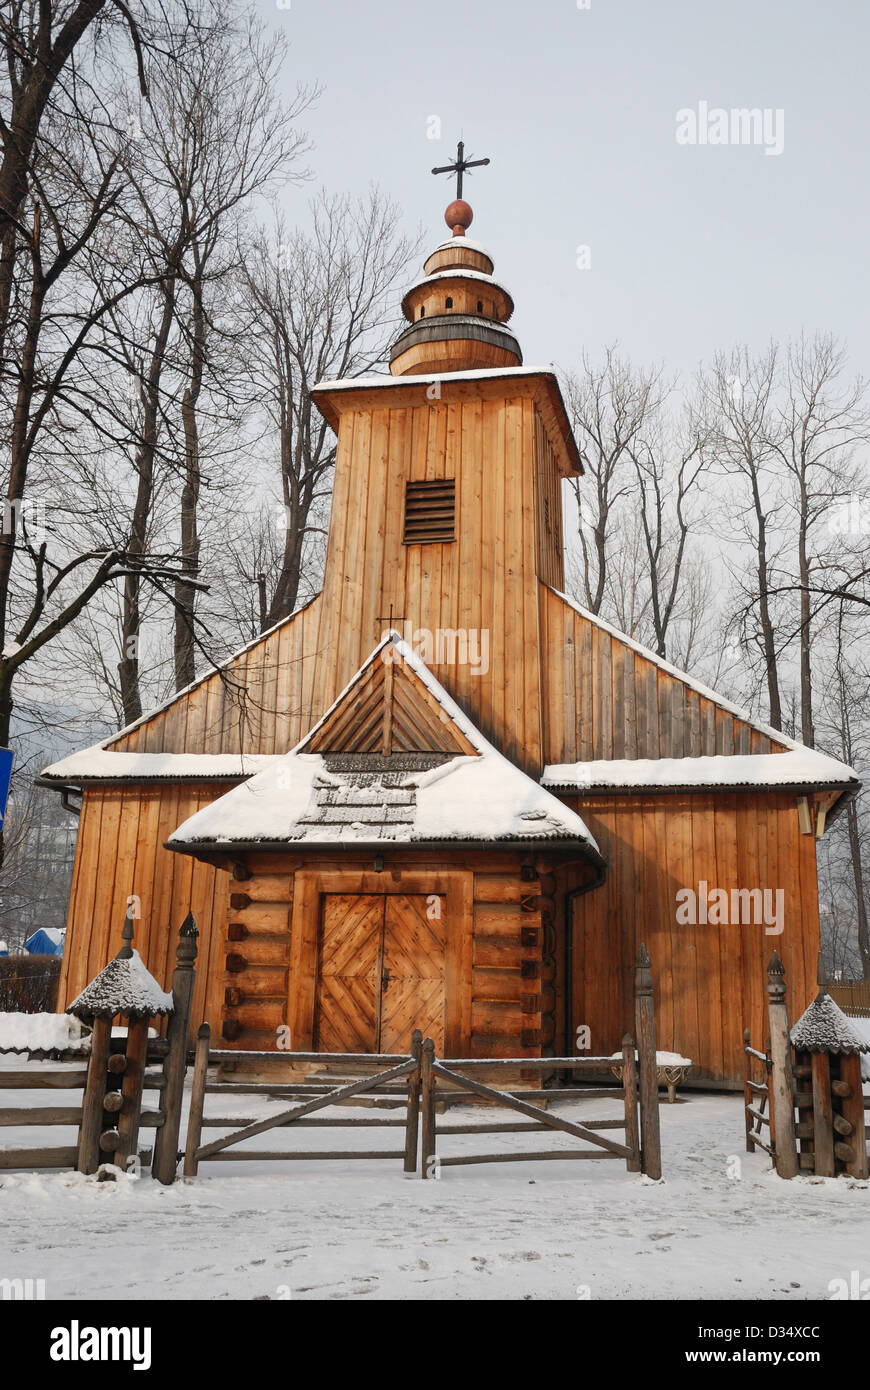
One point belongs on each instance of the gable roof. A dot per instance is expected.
(700, 761)
(341, 794)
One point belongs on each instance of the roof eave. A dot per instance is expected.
(580, 847)
(331, 397)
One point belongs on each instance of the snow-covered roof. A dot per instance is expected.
(101, 764)
(124, 986)
(799, 767)
(823, 1027)
(322, 798)
(459, 274)
(452, 242)
(367, 383)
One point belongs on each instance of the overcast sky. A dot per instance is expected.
(692, 247)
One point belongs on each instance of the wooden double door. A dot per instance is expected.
(380, 972)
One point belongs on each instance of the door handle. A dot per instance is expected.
(385, 980)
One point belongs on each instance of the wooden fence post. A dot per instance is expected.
(644, 1013)
(131, 1091)
(427, 1087)
(412, 1125)
(852, 1109)
(88, 1158)
(747, 1091)
(629, 1085)
(781, 1078)
(197, 1101)
(175, 1065)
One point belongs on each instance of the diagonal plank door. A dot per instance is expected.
(412, 992)
(349, 971)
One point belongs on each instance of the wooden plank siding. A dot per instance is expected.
(120, 854)
(603, 699)
(709, 979)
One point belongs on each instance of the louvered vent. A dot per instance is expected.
(430, 511)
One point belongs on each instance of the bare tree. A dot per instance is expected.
(610, 405)
(820, 422)
(320, 301)
(740, 402)
(213, 137)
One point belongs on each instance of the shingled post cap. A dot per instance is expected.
(125, 986)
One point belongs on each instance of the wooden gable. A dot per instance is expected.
(608, 697)
(388, 709)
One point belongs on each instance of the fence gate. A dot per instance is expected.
(311, 1097)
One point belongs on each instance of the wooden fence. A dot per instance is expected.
(420, 1082)
(69, 1071)
(756, 1098)
(119, 1071)
(853, 996)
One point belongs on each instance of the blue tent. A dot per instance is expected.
(46, 941)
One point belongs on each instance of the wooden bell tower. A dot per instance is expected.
(447, 506)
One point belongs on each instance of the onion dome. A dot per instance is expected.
(457, 313)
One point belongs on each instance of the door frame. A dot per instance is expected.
(309, 886)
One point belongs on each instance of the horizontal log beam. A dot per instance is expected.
(38, 1158)
(270, 1155)
(455, 1160)
(52, 1078)
(41, 1115)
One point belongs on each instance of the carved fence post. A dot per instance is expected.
(648, 1089)
(781, 1077)
(166, 1153)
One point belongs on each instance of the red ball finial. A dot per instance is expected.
(459, 216)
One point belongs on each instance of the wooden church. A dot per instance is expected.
(442, 794)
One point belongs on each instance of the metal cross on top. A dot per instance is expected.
(460, 167)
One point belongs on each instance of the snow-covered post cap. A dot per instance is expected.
(125, 986)
(823, 1027)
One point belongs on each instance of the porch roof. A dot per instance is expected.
(328, 797)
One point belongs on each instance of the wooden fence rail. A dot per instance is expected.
(67, 1070)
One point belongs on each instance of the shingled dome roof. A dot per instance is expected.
(823, 1027)
(125, 986)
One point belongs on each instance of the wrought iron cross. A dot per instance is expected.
(460, 167)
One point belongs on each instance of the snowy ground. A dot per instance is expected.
(557, 1230)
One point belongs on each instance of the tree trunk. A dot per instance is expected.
(860, 901)
(185, 590)
(808, 732)
(128, 666)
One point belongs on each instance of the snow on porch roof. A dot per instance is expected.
(800, 767)
(323, 798)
